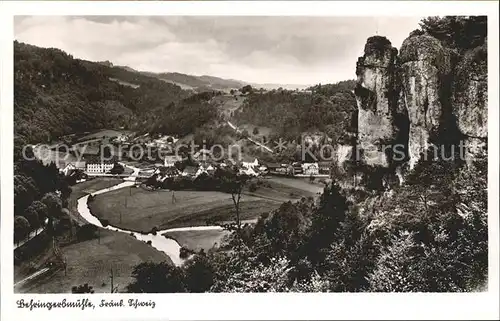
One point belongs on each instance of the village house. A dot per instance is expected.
(190, 171)
(248, 171)
(170, 160)
(73, 166)
(99, 167)
(165, 172)
(280, 169)
(310, 168)
(96, 165)
(253, 164)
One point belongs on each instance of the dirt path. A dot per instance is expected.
(249, 138)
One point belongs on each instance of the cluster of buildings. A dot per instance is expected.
(300, 169)
(194, 169)
(197, 163)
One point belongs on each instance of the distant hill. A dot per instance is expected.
(277, 86)
(208, 83)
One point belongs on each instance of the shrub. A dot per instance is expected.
(21, 228)
(86, 232)
(184, 252)
(252, 187)
(82, 289)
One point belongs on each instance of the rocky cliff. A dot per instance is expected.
(425, 67)
(426, 96)
(470, 100)
(376, 101)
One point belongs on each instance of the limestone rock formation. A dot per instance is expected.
(424, 66)
(376, 100)
(431, 94)
(470, 100)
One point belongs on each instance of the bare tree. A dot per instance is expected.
(234, 184)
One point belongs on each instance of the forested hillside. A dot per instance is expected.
(329, 108)
(55, 94)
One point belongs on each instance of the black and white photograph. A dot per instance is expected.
(157, 154)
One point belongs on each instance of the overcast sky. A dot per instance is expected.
(287, 50)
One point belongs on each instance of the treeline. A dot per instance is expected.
(460, 33)
(430, 235)
(40, 197)
(329, 108)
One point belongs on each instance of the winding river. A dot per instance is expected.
(167, 245)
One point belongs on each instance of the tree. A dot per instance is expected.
(255, 131)
(86, 232)
(244, 134)
(161, 277)
(272, 277)
(117, 169)
(458, 32)
(246, 89)
(199, 274)
(233, 183)
(32, 216)
(85, 288)
(41, 210)
(53, 203)
(66, 190)
(21, 228)
(332, 211)
(397, 269)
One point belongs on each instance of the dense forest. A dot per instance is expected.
(328, 108)
(183, 117)
(40, 196)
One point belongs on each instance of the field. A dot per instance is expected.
(103, 133)
(284, 189)
(273, 188)
(302, 184)
(141, 210)
(91, 262)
